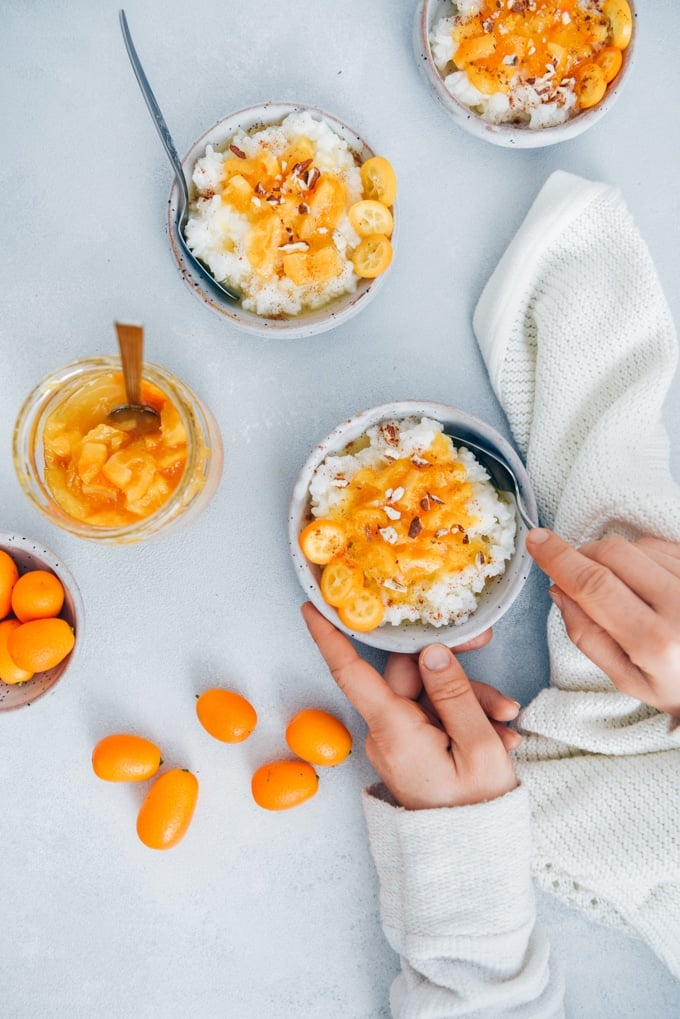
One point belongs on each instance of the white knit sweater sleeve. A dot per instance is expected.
(457, 904)
(581, 349)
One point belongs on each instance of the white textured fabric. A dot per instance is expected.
(580, 348)
(457, 904)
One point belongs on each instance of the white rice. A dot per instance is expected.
(451, 599)
(216, 233)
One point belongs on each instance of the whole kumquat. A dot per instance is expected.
(166, 813)
(37, 594)
(10, 672)
(318, 737)
(226, 715)
(40, 644)
(281, 785)
(9, 575)
(125, 758)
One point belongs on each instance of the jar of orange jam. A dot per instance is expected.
(102, 482)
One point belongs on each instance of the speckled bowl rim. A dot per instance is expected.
(309, 323)
(34, 555)
(508, 136)
(500, 593)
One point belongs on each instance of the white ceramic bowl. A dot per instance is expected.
(499, 593)
(308, 322)
(429, 12)
(31, 555)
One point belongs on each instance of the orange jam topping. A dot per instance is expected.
(406, 521)
(293, 207)
(529, 40)
(101, 474)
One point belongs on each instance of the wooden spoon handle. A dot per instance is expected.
(131, 343)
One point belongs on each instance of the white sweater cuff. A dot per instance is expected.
(461, 870)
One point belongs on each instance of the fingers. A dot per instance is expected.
(606, 599)
(472, 645)
(508, 737)
(452, 697)
(666, 553)
(359, 681)
(645, 569)
(402, 676)
(494, 703)
(597, 644)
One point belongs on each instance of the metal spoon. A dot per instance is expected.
(501, 475)
(182, 213)
(133, 415)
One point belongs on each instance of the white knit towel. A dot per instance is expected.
(581, 349)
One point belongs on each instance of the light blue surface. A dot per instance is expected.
(253, 916)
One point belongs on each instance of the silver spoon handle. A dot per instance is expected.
(154, 108)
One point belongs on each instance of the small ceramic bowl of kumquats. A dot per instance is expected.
(526, 73)
(41, 620)
(292, 211)
(397, 533)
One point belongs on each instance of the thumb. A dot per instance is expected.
(452, 697)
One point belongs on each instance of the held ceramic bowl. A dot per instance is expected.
(199, 479)
(429, 13)
(31, 555)
(308, 322)
(499, 593)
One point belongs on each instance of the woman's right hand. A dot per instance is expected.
(620, 601)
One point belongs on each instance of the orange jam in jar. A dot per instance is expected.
(99, 480)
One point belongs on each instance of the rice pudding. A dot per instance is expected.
(284, 214)
(536, 63)
(407, 527)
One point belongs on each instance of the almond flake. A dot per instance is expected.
(389, 535)
(237, 151)
(393, 585)
(419, 461)
(441, 532)
(297, 246)
(397, 494)
(392, 513)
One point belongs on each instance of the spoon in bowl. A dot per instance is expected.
(182, 214)
(133, 415)
(502, 477)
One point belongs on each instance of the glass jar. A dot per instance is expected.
(196, 486)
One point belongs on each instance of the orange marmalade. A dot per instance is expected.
(101, 474)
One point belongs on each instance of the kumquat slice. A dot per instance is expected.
(322, 540)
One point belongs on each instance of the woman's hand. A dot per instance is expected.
(443, 753)
(620, 601)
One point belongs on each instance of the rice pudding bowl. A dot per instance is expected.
(284, 209)
(526, 72)
(398, 533)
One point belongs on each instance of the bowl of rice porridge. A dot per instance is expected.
(294, 211)
(397, 534)
(525, 73)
